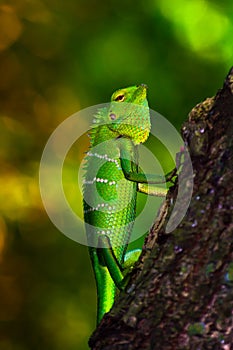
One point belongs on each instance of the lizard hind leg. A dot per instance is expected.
(108, 259)
(109, 273)
(130, 258)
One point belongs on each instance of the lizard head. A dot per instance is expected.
(129, 113)
(134, 94)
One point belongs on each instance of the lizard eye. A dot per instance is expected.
(120, 98)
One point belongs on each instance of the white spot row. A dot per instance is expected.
(104, 156)
(104, 232)
(97, 179)
(101, 205)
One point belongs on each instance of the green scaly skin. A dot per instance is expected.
(111, 183)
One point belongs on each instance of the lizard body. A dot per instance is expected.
(112, 179)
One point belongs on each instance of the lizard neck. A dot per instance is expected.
(102, 133)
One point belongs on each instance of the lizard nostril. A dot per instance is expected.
(142, 85)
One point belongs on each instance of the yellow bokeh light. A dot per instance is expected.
(10, 26)
(19, 194)
(3, 230)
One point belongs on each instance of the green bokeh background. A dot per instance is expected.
(55, 59)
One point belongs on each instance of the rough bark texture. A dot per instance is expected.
(180, 295)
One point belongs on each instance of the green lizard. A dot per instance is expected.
(112, 179)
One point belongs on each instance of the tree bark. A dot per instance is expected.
(180, 295)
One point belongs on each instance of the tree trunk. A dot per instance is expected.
(180, 295)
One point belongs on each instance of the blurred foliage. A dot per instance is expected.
(56, 58)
